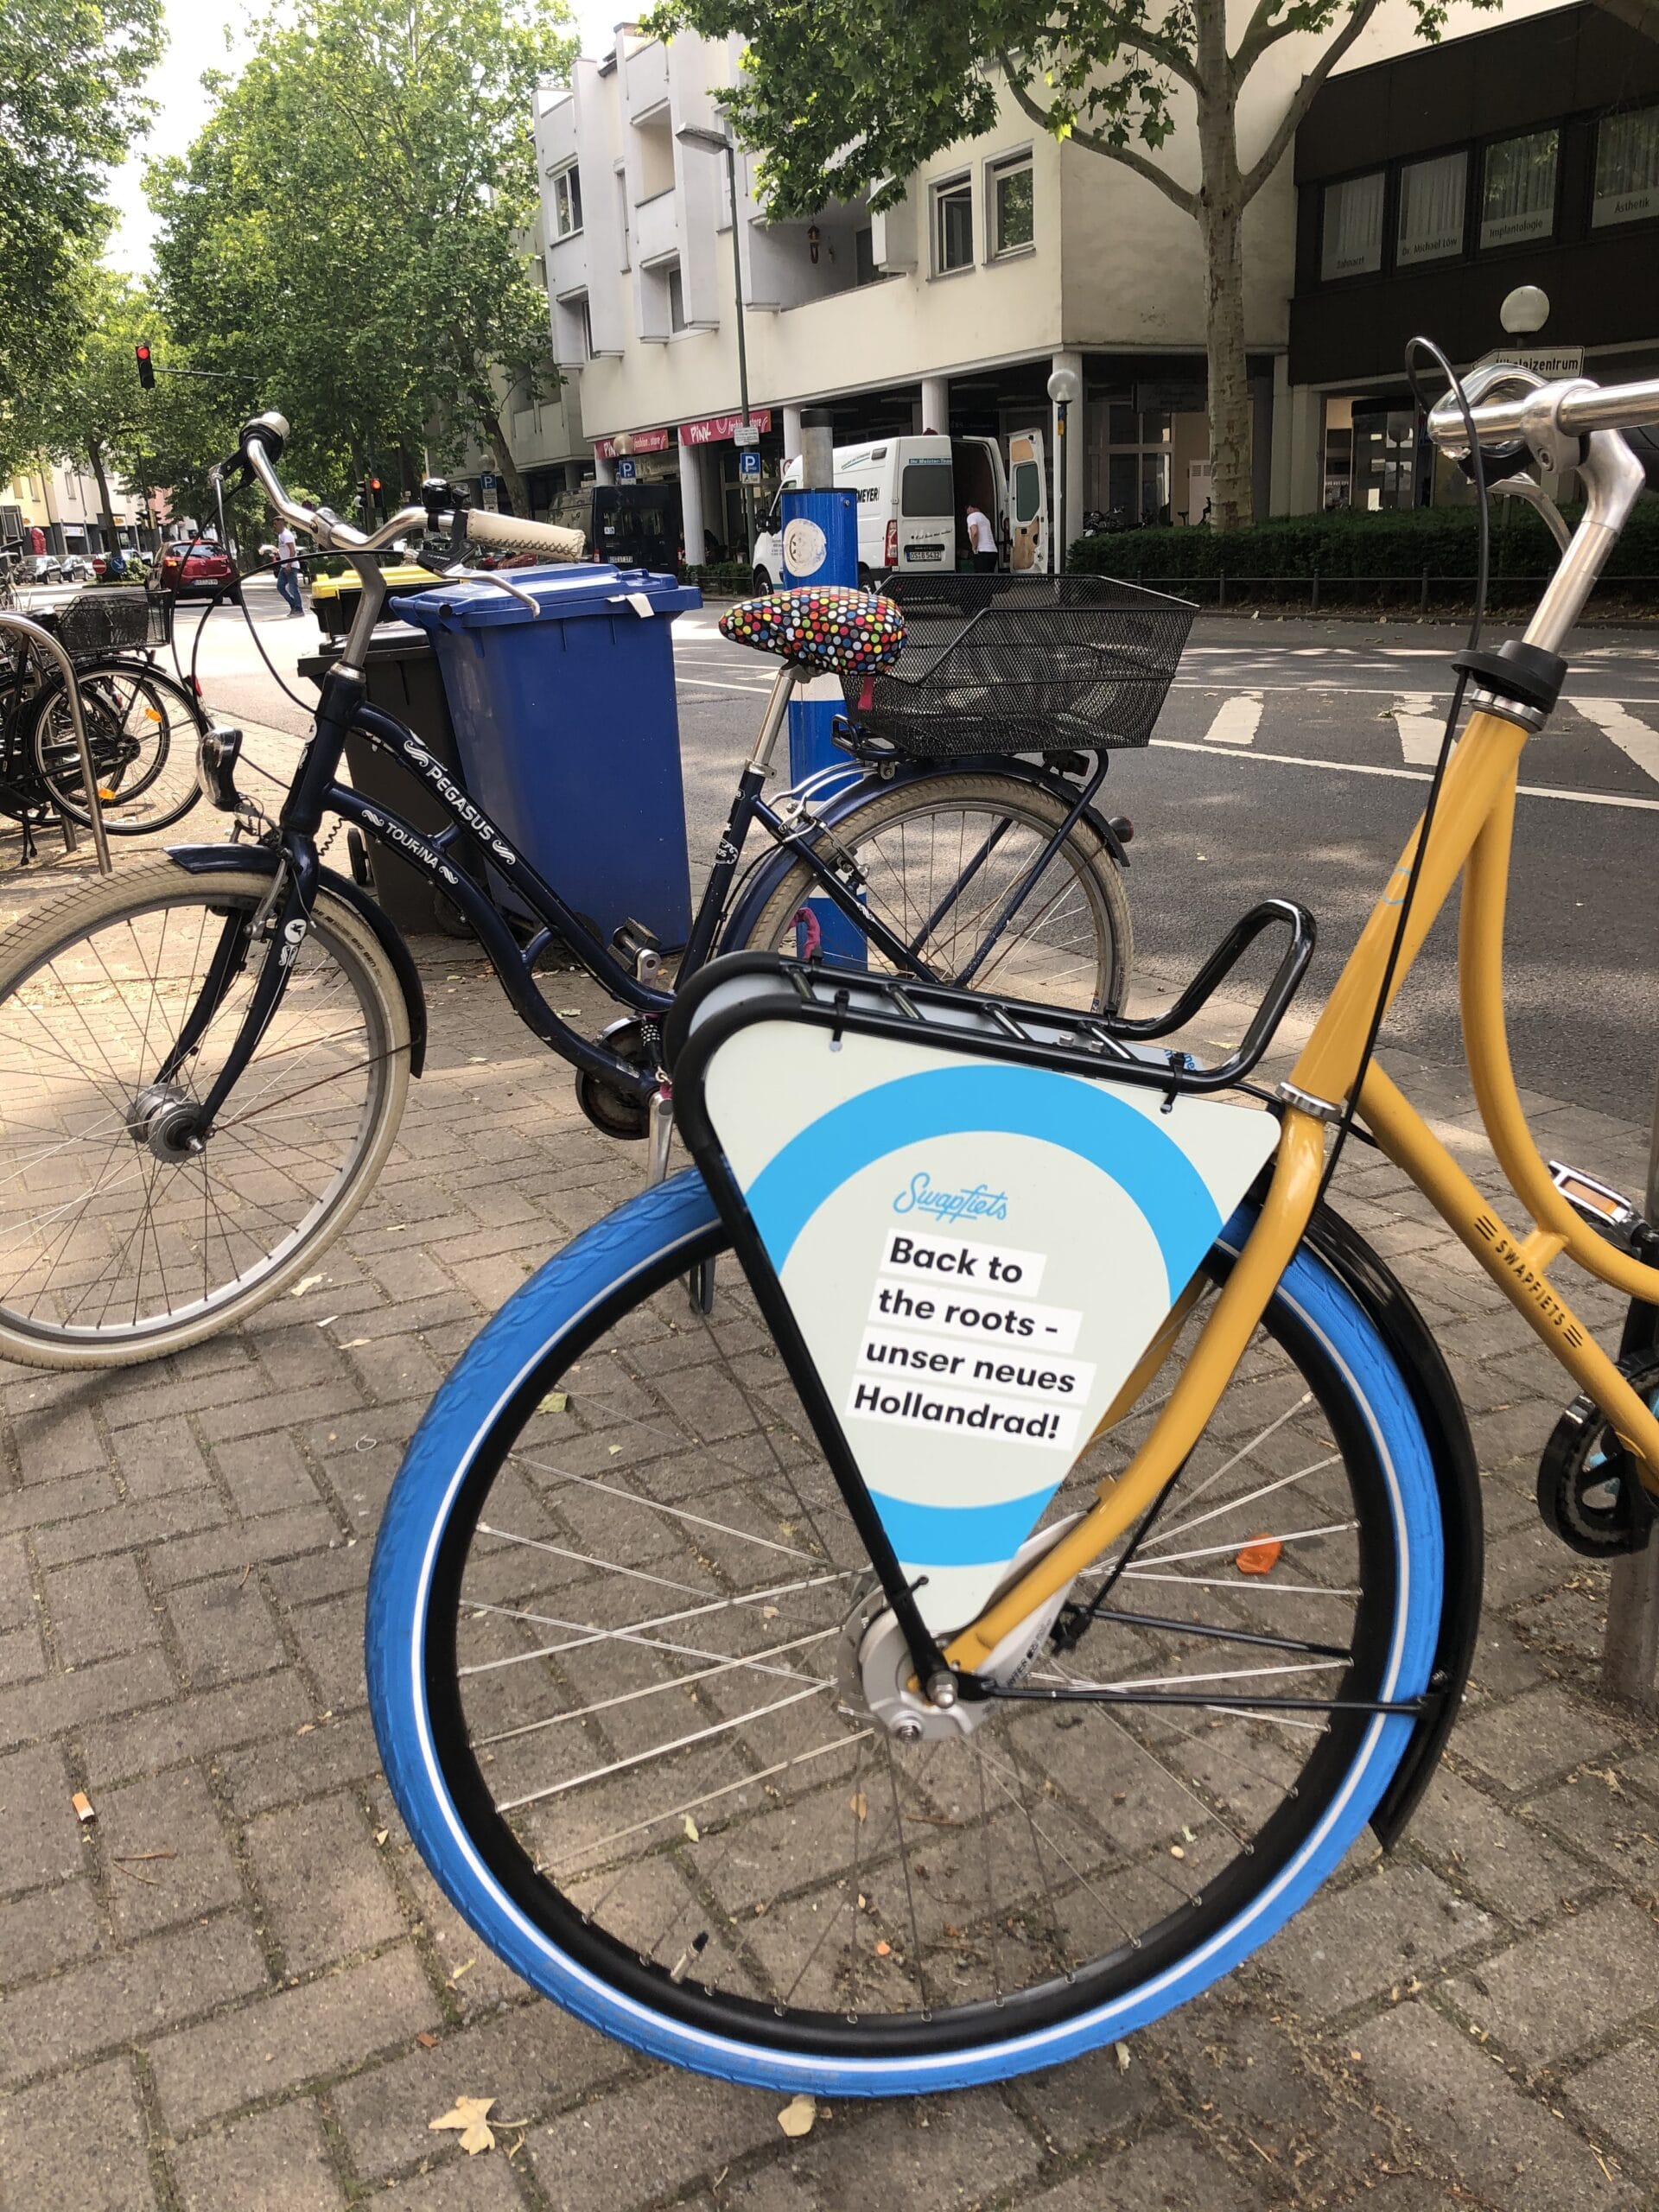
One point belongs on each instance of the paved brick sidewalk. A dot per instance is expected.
(239, 1988)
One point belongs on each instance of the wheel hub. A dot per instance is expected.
(877, 1675)
(165, 1119)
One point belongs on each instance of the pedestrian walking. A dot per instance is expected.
(982, 537)
(288, 569)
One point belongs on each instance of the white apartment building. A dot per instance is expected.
(1009, 256)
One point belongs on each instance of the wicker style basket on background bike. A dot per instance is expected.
(115, 619)
(1020, 663)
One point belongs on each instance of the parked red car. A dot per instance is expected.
(205, 568)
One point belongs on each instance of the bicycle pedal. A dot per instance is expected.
(1597, 1201)
(1591, 1493)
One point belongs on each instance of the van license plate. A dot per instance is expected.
(925, 553)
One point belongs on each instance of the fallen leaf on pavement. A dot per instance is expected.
(691, 1829)
(798, 2115)
(305, 1283)
(426, 2043)
(470, 2115)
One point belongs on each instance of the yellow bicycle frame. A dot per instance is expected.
(1472, 833)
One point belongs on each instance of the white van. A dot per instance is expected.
(912, 492)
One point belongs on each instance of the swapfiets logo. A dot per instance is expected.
(920, 1195)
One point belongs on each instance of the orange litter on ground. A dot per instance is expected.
(1260, 1556)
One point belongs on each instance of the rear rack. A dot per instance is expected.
(1039, 1036)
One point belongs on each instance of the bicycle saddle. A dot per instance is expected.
(820, 626)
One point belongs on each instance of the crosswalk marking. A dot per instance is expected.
(1421, 729)
(1236, 719)
(1616, 800)
(1631, 736)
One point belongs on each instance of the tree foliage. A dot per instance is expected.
(845, 96)
(71, 78)
(348, 227)
(85, 405)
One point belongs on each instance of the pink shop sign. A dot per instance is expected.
(638, 442)
(715, 429)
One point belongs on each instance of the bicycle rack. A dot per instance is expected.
(36, 635)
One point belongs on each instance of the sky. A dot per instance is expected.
(197, 33)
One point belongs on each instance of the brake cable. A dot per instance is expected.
(1477, 469)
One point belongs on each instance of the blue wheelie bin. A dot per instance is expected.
(568, 733)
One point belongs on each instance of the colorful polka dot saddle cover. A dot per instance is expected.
(820, 625)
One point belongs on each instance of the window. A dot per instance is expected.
(864, 269)
(1627, 168)
(1011, 210)
(574, 329)
(1353, 227)
(1518, 197)
(567, 202)
(953, 225)
(676, 298)
(927, 489)
(1027, 491)
(1431, 209)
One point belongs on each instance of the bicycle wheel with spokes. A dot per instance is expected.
(622, 1643)
(141, 731)
(120, 1238)
(954, 865)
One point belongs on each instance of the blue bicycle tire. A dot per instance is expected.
(631, 1253)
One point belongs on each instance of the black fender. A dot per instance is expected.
(261, 860)
(769, 871)
(1388, 1306)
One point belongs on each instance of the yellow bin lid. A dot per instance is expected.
(406, 572)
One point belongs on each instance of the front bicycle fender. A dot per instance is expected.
(261, 860)
(769, 871)
(1386, 1304)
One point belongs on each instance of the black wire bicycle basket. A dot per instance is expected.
(1020, 663)
(114, 618)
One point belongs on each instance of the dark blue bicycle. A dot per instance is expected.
(203, 1061)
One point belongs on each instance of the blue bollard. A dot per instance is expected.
(821, 547)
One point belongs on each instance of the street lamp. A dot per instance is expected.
(720, 142)
(1064, 386)
(1524, 311)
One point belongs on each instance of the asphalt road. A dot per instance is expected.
(1292, 758)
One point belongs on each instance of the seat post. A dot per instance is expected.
(777, 706)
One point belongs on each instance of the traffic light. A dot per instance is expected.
(374, 483)
(146, 368)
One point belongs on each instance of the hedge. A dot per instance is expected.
(722, 577)
(1437, 540)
